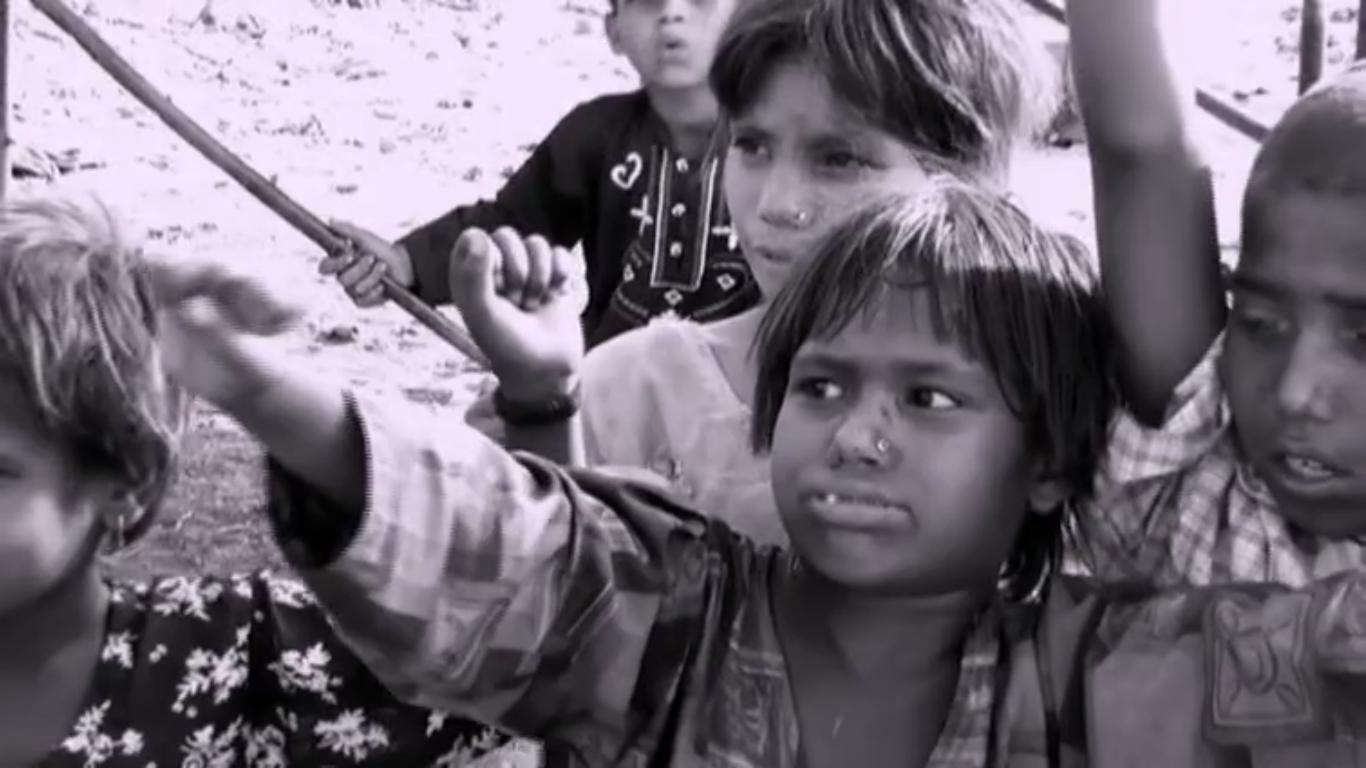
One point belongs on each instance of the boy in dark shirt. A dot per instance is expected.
(627, 176)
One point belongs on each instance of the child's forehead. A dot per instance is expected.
(1305, 242)
(911, 323)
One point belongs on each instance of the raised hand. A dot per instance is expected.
(521, 299)
(212, 324)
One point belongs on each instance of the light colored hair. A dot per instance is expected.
(78, 333)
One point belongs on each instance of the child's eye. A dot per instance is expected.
(931, 399)
(845, 160)
(819, 389)
(748, 146)
(1259, 321)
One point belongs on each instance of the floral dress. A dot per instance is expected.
(246, 671)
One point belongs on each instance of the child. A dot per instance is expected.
(192, 671)
(922, 396)
(624, 175)
(1245, 456)
(828, 102)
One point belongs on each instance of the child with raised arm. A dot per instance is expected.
(1244, 456)
(241, 670)
(925, 400)
(827, 103)
(627, 176)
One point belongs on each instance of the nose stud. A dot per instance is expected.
(882, 445)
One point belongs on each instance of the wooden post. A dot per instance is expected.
(1361, 30)
(4, 97)
(1311, 44)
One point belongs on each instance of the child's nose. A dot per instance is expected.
(1303, 390)
(863, 438)
(673, 10)
(782, 204)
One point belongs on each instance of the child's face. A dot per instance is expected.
(1294, 363)
(48, 511)
(897, 465)
(799, 161)
(671, 43)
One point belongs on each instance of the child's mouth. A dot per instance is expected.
(1307, 468)
(859, 510)
(1301, 473)
(777, 257)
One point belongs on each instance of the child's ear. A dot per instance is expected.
(609, 25)
(1047, 495)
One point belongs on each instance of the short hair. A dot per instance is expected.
(78, 332)
(1315, 147)
(1023, 301)
(958, 81)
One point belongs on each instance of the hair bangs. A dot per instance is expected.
(78, 329)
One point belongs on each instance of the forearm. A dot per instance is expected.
(305, 425)
(1129, 65)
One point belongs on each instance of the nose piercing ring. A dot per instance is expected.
(881, 445)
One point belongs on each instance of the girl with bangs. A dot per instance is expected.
(919, 397)
(827, 103)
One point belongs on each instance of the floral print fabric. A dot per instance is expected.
(211, 673)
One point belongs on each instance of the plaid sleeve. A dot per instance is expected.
(503, 589)
(1138, 495)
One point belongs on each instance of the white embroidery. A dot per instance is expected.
(625, 173)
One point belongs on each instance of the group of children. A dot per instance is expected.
(935, 490)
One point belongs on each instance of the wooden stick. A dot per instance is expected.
(1311, 43)
(259, 186)
(1361, 31)
(4, 97)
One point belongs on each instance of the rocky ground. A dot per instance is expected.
(386, 112)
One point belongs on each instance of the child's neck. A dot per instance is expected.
(731, 341)
(879, 635)
(690, 116)
(49, 653)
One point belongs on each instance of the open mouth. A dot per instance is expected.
(673, 47)
(851, 510)
(1306, 468)
(1303, 474)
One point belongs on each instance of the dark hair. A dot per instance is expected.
(1023, 301)
(78, 328)
(955, 79)
(1315, 147)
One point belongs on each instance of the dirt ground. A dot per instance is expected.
(387, 112)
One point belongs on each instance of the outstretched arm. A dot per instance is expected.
(1154, 200)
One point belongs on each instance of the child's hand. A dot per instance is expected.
(521, 299)
(212, 324)
(361, 268)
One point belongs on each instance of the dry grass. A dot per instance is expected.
(214, 520)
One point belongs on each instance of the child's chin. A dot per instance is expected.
(676, 78)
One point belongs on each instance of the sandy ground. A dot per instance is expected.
(388, 112)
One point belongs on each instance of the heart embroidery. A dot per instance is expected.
(624, 174)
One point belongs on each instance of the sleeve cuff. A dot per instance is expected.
(312, 532)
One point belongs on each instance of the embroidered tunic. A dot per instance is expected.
(655, 234)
